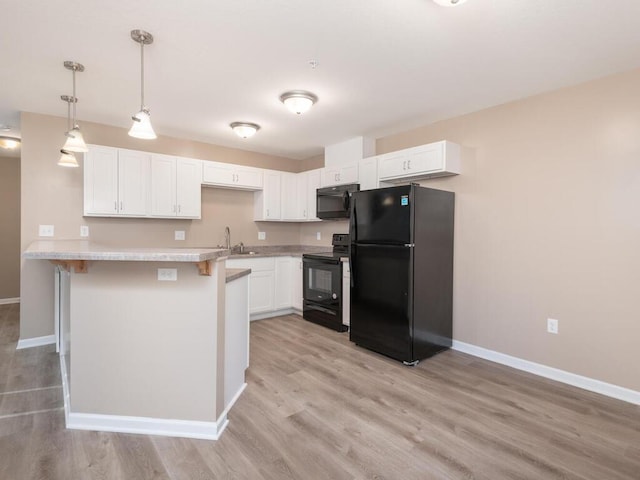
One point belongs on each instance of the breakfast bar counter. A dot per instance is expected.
(142, 336)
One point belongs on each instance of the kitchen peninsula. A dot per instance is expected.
(145, 343)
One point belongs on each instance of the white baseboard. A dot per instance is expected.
(148, 426)
(274, 313)
(9, 301)
(36, 342)
(142, 425)
(586, 383)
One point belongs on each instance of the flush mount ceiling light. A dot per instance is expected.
(75, 141)
(298, 101)
(68, 159)
(142, 120)
(245, 129)
(9, 143)
(449, 3)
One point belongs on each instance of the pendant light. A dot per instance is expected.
(245, 129)
(75, 141)
(141, 127)
(67, 158)
(298, 101)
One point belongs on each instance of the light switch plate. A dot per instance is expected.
(168, 274)
(179, 235)
(45, 231)
(262, 235)
(84, 231)
(318, 236)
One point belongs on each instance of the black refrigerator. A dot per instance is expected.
(401, 261)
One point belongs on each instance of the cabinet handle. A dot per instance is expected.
(179, 208)
(304, 214)
(408, 164)
(115, 206)
(404, 165)
(267, 213)
(121, 207)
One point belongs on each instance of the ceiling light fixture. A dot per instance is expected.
(68, 159)
(449, 3)
(244, 129)
(142, 120)
(9, 143)
(298, 101)
(75, 141)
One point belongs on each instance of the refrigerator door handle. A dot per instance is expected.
(353, 233)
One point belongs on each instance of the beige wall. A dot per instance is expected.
(548, 225)
(53, 195)
(10, 227)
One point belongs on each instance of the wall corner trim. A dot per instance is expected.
(36, 342)
(586, 383)
(9, 301)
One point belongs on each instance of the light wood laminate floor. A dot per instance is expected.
(318, 407)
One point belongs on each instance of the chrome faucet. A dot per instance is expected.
(227, 237)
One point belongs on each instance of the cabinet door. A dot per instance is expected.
(133, 177)
(425, 159)
(349, 174)
(346, 293)
(283, 286)
(313, 183)
(188, 190)
(368, 173)
(300, 197)
(261, 287)
(392, 165)
(296, 281)
(289, 200)
(249, 179)
(271, 191)
(163, 186)
(217, 174)
(101, 181)
(330, 176)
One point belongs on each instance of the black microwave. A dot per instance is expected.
(335, 202)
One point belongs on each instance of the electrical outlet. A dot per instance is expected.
(552, 325)
(45, 231)
(168, 274)
(179, 235)
(318, 236)
(84, 231)
(262, 235)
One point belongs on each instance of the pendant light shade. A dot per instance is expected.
(67, 159)
(245, 129)
(298, 101)
(141, 127)
(75, 140)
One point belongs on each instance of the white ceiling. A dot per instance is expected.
(384, 66)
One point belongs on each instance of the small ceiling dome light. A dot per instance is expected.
(75, 141)
(67, 159)
(9, 143)
(298, 101)
(449, 3)
(141, 127)
(245, 129)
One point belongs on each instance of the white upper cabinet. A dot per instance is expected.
(426, 161)
(368, 173)
(298, 196)
(115, 182)
(331, 176)
(175, 187)
(267, 202)
(226, 175)
(289, 200)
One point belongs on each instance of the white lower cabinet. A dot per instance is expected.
(346, 293)
(296, 282)
(272, 284)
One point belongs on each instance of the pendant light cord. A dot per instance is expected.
(142, 74)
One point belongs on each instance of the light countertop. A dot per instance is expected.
(86, 250)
